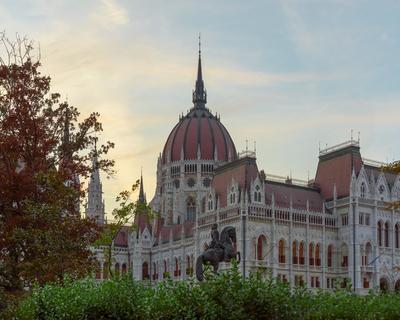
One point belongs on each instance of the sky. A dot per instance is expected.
(290, 75)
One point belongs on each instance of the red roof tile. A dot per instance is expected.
(199, 128)
(335, 169)
(243, 171)
(284, 192)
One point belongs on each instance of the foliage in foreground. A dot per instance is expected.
(227, 296)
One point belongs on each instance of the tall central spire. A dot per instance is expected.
(199, 94)
(95, 203)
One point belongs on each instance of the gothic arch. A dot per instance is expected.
(257, 191)
(397, 286)
(261, 247)
(295, 256)
(282, 251)
(318, 255)
(382, 188)
(395, 192)
(145, 271)
(379, 233)
(105, 270)
(311, 253)
(302, 252)
(232, 193)
(363, 188)
(368, 253)
(190, 208)
(344, 255)
(384, 284)
(98, 270)
(386, 234)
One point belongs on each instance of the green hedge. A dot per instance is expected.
(226, 296)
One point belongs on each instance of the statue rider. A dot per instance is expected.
(215, 242)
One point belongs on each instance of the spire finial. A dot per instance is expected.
(199, 43)
(199, 96)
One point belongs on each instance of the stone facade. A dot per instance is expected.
(333, 229)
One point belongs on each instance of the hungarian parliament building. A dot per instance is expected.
(332, 231)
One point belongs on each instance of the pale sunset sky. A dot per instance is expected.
(289, 75)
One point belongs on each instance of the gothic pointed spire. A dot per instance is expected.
(66, 137)
(199, 94)
(95, 169)
(95, 204)
(142, 197)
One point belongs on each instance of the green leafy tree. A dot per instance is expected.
(122, 216)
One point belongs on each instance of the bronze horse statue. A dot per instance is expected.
(222, 251)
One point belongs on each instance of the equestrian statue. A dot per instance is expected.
(220, 249)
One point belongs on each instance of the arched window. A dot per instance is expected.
(261, 247)
(176, 271)
(155, 275)
(345, 256)
(330, 255)
(190, 209)
(105, 270)
(379, 233)
(387, 234)
(123, 271)
(257, 196)
(232, 196)
(397, 287)
(145, 271)
(368, 253)
(362, 190)
(301, 253)
(317, 255)
(98, 270)
(282, 256)
(210, 203)
(116, 268)
(188, 266)
(396, 235)
(381, 190)
(383, 285)
(294, 252)
(311, 254)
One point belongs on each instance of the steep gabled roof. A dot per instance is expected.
(299, 195)
(242, 171)
(336, 167)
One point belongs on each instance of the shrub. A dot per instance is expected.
(226, 296)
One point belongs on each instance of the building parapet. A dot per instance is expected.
(288, 180)
(373, 163)
(343, 145)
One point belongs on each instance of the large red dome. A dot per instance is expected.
(199, 133)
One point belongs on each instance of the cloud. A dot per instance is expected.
(111, 12)
(134, 62)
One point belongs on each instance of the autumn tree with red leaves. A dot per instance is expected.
(44, 153)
